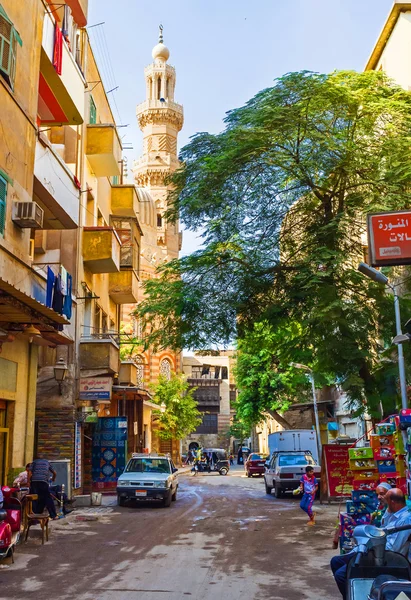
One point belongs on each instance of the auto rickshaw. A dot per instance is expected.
(217, 460)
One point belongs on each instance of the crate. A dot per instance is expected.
(361, 464)
(384, 453)
(398, 443)
(367, 496)
(370, 475)
(362, 485)
(386, 466)
(355, 453)
(358, 508)
(405, 416)
(385, 428)
(400, 467)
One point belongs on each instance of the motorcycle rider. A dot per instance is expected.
(396, 542)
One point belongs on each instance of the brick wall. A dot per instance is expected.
(55, 433)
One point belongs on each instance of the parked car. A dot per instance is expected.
(148, 477)
(284, 470)
(254, 465)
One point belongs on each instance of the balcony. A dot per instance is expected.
(103, 149)
(54, 189)
(127, 374)
(100, 354)
(61, 97)
(123, 287)
(124, 201)
(101, 250)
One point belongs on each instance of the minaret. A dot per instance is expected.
(160, 119)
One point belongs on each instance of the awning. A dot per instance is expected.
(13, 313)
(129, 392)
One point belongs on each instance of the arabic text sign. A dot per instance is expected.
(95, 388)
(339, 478)
(389, 238)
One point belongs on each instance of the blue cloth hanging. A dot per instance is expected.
(50, 285)
(67, 305)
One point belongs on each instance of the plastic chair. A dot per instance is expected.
(31, 518)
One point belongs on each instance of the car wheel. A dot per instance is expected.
(267, 488)
(167, 499)
(121, 501)
(278, 492)
(174, 496)
(248, 474)
(223, 471)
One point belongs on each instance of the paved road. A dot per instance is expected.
(223, 538)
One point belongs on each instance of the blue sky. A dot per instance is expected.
(225, 51)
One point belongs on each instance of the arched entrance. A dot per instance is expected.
(194, 446)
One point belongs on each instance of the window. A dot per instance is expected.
(148, 465)
(3, 196)
(165, 368)
(93, 112)
(209, 424)
(9, 38)
(159, 221)
(296, 460)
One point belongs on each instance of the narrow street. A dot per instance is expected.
(223, 538)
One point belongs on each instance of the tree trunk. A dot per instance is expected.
(275, 415)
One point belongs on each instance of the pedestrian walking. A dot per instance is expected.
(309, 487)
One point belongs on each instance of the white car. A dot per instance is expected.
(284, 470)
(148, 477)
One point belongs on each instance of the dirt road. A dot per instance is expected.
(223, 538)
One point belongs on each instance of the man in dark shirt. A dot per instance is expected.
(40, 472)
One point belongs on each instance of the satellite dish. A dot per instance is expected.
(162, 100)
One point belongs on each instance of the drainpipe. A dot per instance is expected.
(31, 402)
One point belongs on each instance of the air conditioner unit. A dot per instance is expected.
(27, 215)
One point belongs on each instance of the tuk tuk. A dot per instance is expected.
(217, 460)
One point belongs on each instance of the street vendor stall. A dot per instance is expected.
(387, 459)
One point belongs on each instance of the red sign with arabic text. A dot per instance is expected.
(389, 238)
(339, 477)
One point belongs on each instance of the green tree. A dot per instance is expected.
(239, 429)
(180, 416)
(281, 197)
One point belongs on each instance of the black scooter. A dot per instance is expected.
(375, 573)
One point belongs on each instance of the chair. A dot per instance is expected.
(31, 518)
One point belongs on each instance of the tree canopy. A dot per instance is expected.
(280, 197)
(180, 416)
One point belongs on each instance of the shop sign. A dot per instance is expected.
(335, 473)
(389, 238)
(95, 388)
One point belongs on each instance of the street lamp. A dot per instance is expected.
(379, 277)
(317, 422)
(60, 372)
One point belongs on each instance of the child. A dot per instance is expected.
(309, 487)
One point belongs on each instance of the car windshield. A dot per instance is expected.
(296, 460)
(148, 465)
(255, 457)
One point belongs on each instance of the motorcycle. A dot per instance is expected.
(10, 523)
(375, 573)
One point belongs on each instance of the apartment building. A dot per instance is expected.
(212, 377)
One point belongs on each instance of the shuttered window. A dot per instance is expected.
(9, 38)
(3, 195)
(93, 112)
